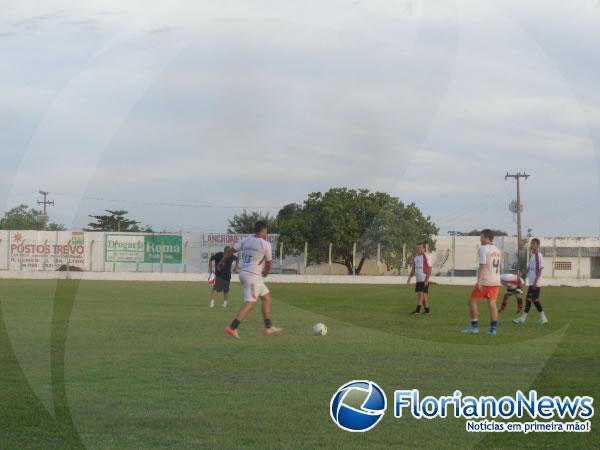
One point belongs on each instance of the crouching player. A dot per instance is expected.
(514, 286)
(256, 265)
(488, 283)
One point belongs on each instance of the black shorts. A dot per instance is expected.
(420, 287)
(221, 285)
(533, 293)
(514, 291)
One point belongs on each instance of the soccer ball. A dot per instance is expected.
(320, 329)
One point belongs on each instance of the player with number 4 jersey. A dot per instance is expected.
(488, 283)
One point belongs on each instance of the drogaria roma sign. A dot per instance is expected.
(132, 248)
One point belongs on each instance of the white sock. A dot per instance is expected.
(224, 303)
(523, 317)
(212, 303)
(543, 315)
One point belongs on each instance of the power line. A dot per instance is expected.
(169, 205)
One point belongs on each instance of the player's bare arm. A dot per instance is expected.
(412, 272)
(267, 269)
(482, 269)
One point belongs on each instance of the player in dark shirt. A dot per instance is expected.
(222, 270)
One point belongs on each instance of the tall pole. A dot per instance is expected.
(517, 176)
(45, 202)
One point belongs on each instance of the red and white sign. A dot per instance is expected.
(46, 250)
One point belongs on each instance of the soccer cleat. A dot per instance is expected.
(212, 304)
(415, 312)
(518, 321)
(224, 304)
(543, 321)
(492, 332)
(231, 332)
(471, 330)
(273, 331)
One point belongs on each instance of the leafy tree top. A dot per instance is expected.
(343, 217)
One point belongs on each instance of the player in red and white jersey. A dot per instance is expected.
(256, 257)
(514, 286)
(488, 283)
(534, 276)
(421, 269)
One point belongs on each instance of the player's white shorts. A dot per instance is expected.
(253, 285)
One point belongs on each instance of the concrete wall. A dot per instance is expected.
(198, 246)
(306, 279)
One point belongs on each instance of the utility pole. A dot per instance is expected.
(519, 207)
(45, 202)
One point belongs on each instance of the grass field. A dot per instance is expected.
(142, 365)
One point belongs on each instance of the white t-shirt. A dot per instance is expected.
(491, 256)
(536, 261)
(421, 267)
(255, 251)
(511, 280)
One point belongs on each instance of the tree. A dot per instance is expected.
(22, 218)
(244, 223)
(343, 217)
(56, 227)
(478, 233)
(116, 221)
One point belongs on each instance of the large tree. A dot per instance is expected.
(244, 222)
(478, 232)
(343, 217)
(23, 217)
(116, 220)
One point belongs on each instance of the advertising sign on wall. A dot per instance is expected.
(133, 248)
(46, 250)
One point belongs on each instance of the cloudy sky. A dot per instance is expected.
(185, 112)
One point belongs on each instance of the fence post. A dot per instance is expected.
(281, 257)
(184, 256)
(209, 255)
(553, 255)
(578, 263)
(378, 258)
(305, 257)
(162, 253)
(68, 257)
(354, 259)
(91, 264)
(45, 263)
(330, 251)
(453, 272)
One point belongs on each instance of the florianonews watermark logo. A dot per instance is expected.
(360, 404)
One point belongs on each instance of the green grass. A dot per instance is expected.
(143, 365)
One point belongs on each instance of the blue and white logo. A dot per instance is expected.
(358, 406)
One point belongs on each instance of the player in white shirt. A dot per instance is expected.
(488, 283)
(256, 264)
(534, 276)
(421, 269)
